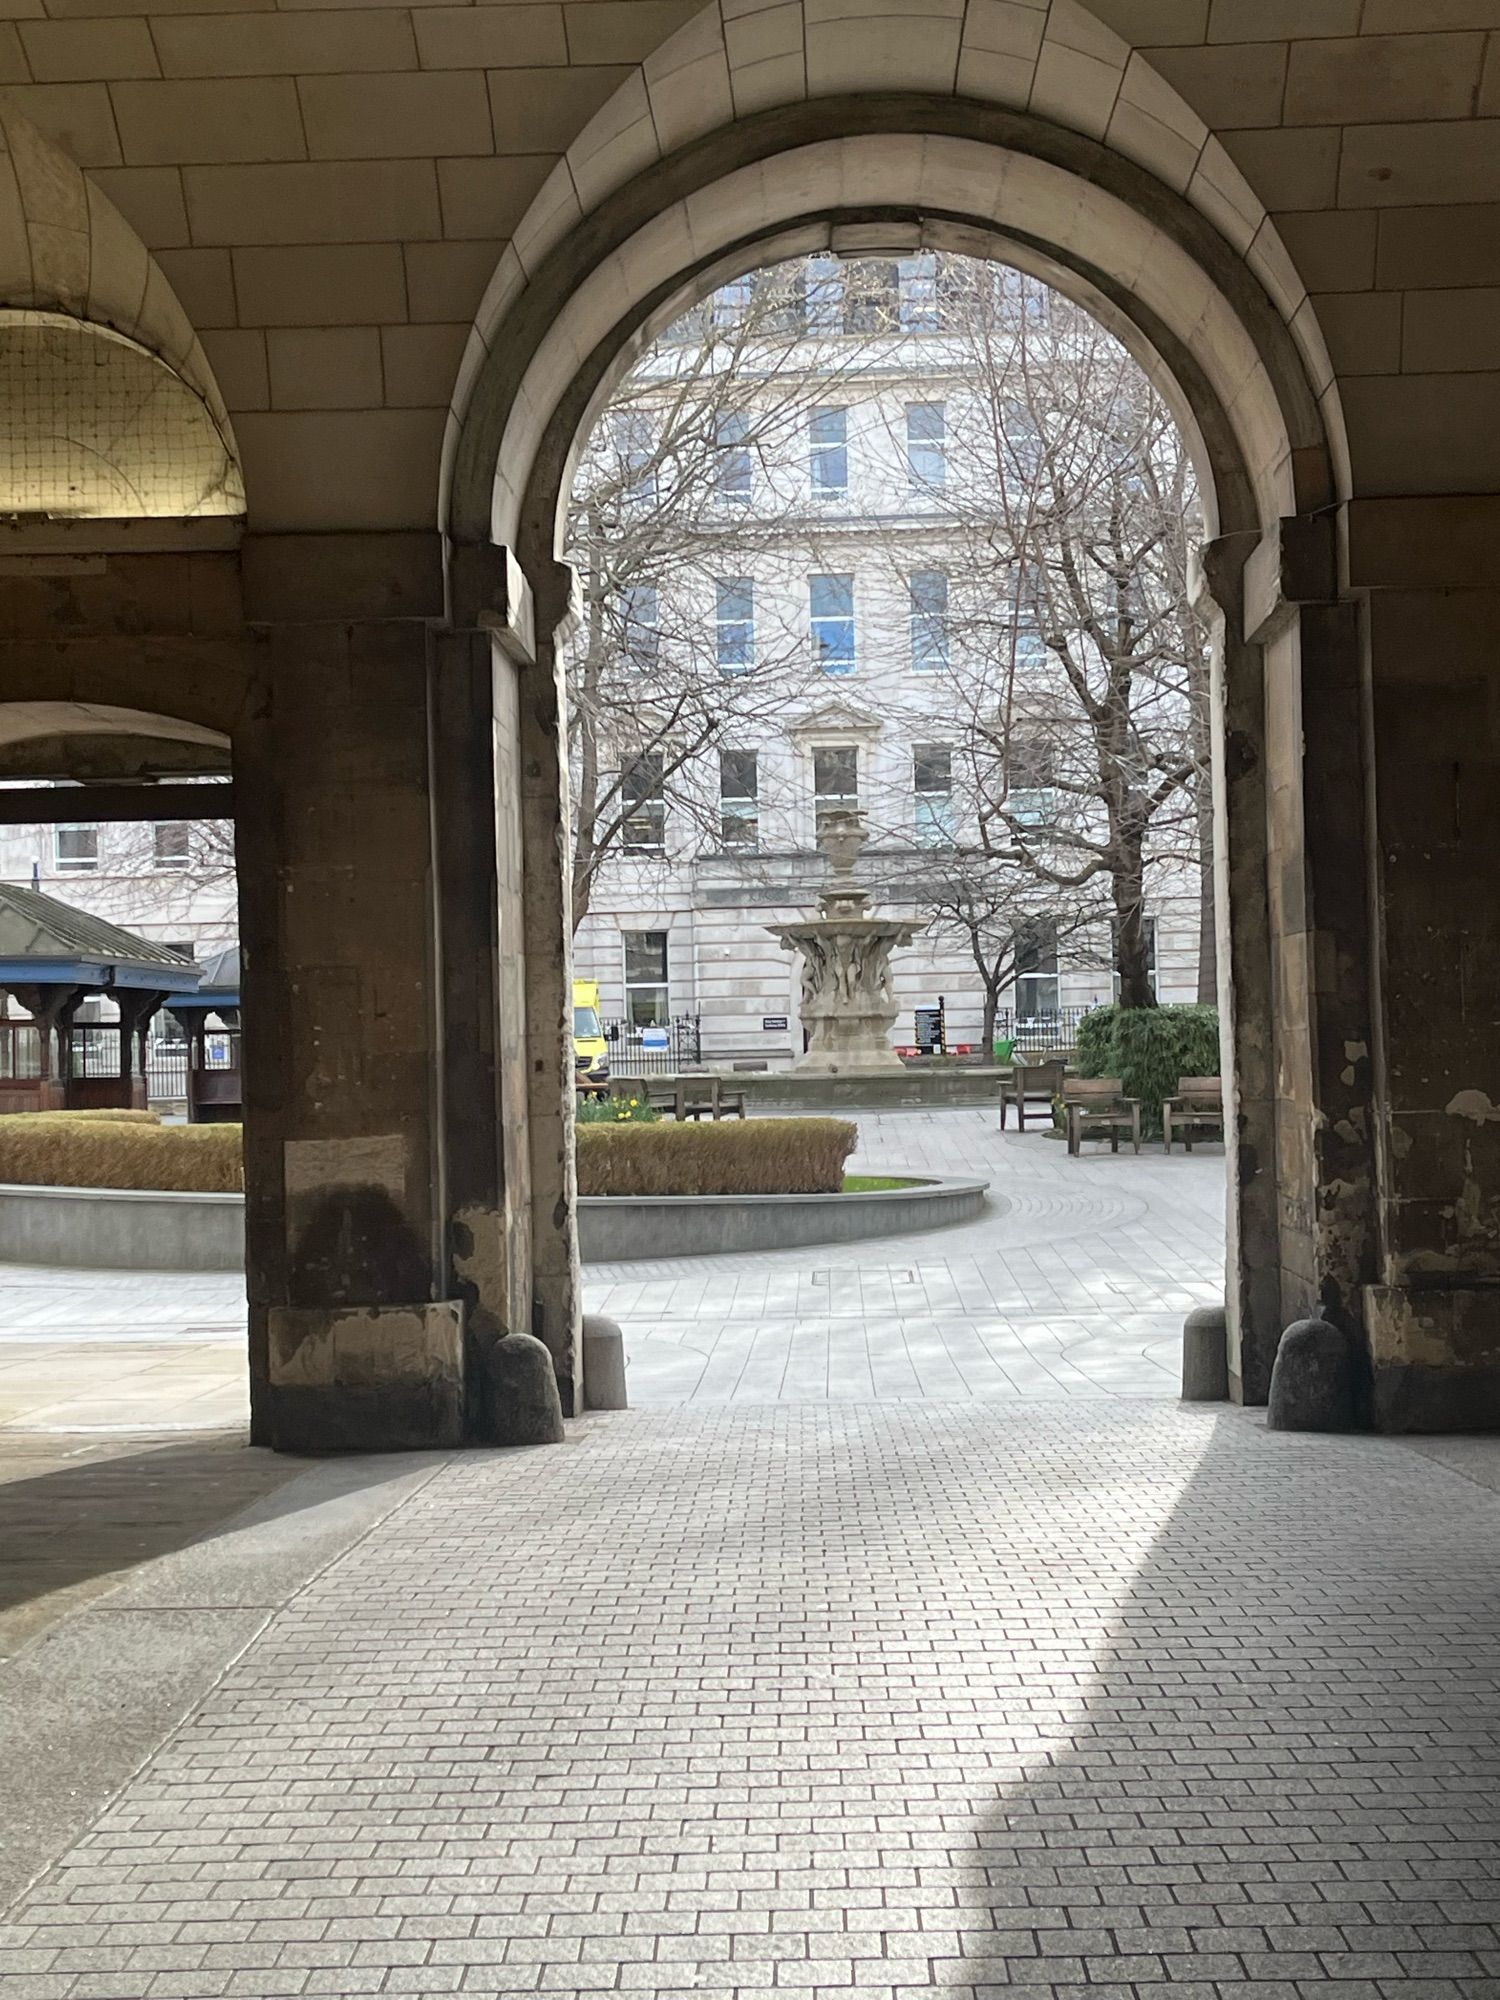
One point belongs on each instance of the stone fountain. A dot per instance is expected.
(848, 1008)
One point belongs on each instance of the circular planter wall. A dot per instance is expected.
(621, 1228)
(122, 1229)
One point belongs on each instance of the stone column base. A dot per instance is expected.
(366, 1378)
(1435, 1357)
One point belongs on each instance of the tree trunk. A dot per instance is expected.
(1132, 960)
(987, 1020)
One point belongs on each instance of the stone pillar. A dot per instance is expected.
(1252, 1294)
(1317, 879)
(548, 936)
(524, 619)
(1431, 572)
(481, 977)
(354, 1341)
(1295, 966)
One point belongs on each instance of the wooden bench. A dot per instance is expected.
(1197, 1105)
(1099, 1103)
(1037, 1084)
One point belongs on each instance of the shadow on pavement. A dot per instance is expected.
(77, 1512)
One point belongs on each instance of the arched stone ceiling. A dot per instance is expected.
(111, 407)
(720, 90)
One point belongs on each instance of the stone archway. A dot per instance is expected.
(1147, 230)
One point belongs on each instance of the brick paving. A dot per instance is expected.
(1030, 1701)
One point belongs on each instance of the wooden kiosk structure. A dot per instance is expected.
(215, 1087)
(53, 958)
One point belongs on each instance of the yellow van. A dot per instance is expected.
(590, 1050)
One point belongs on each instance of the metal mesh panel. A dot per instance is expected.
(93, 426)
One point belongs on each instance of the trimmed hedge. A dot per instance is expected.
(1149, 1048)
(750, 1156)
(48, 1149)
(121, 1117)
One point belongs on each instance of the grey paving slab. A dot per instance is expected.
(1074, 1283)
(1093, 1699)
(92, 1694)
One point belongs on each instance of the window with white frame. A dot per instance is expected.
(830, 601)
(646, 985)
(76, 848)
(1038, 988)
(1030, 764)
(871, 301)
(643, 797)
(170, 843)
(734, 472)
(640, 614)
(835, 781)
(823, 295)
(828, 452)
(734, 623)
(739, 800)
(918, 304)
(730, 305)
(927, 591)
(932, 790)
(927, 443)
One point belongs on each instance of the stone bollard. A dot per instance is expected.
(1312, 1380)
(603, 1364)
(1205, 1355)
(521, 1403)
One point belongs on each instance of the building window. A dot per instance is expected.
(928, 592)
(872, 306)
(731, 303)
(1025, 439)
(917, 293)
(642, 795)
(169, 843)
(734, 627)
(76, 847)
(932, 785)
(734, 474)
(635, 451)
(646, 1001)
(835, 781)
(831, 608)
(739, 800)
(1030, 768)
(823, 294)
(926, 443)
(828, 441)
(1148, 925)
(640, 615)
(1037, 987)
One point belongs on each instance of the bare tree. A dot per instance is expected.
(1072, 657)
(682, 486)
(1005, 920)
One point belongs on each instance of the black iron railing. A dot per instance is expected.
(1055, 1030)
(654, 1051)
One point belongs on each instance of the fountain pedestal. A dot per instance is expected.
(848, 1006)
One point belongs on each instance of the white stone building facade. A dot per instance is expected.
(846, 575)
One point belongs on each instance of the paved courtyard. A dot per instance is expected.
(1048, 1701)
(1075, 1282)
